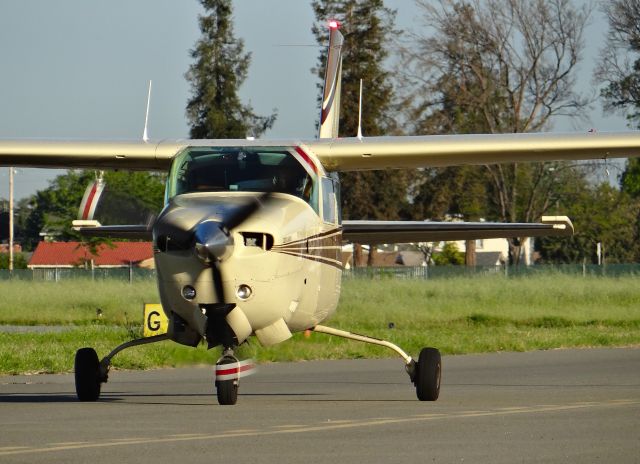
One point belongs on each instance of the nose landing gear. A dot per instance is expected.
(228, 372)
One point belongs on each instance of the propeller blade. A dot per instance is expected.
(217, 282)
(245, 212)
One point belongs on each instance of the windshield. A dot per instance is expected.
(241, 169)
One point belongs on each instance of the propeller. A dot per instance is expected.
(213, 241)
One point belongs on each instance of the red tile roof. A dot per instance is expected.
(76, 254)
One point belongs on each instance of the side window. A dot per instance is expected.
(336, 189)
(328, 200)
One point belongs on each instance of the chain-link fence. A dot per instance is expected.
(399, 272)
(56, 274)
(436, 272)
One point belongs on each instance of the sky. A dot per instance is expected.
(80, 69)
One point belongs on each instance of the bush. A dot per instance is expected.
(19, 261)
(449, 255)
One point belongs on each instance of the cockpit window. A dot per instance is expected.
(240, 169)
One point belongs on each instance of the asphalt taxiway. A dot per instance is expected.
(545, 406)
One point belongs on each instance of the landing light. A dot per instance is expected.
(244, 292)
(188, 292)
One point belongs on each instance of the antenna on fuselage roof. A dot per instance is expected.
(145, 133)
(359, 135)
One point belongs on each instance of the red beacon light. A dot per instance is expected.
(333, 24)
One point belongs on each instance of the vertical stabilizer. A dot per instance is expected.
(330, 110)
(90, 199)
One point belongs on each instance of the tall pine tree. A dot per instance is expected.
(220, 68)
(366, 25)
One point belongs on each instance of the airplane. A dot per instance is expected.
(249, 242)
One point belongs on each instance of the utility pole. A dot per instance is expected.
(10, 219)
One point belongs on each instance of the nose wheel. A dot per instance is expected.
(228, 373)
(226, 390)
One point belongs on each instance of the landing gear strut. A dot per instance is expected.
(425, 374)
(91, 373)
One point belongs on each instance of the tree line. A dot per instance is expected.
(476, 66)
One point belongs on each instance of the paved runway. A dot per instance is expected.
(549, 406)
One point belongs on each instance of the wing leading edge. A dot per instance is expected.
(353, 154)
(92, 228)
(66, 154)
(337, 154)
(375, 232)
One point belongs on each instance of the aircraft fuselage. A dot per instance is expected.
(279, 270)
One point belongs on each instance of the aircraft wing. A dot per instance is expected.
(353, 154)
(337, 154)
(373, 232)
(65, 154)
(142, 232)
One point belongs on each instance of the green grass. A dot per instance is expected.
(74, 301)
(459, 315)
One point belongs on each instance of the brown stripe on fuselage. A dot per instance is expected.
(319, 259)
(325, 247)
(319, 236)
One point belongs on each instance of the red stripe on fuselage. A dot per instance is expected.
(307, 159)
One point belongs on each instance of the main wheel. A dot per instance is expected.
(227, 391)
(87, 373)
(428, 373)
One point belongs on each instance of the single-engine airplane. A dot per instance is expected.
(249, 240)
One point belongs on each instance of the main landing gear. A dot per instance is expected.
(425, 374)
(90, 373)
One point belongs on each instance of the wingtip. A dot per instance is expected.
(562, 223)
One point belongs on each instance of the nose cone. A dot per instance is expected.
(212, 243)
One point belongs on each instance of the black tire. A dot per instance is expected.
(227, 391)
(428, 374)
(87, 373)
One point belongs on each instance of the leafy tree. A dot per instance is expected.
(619, 69)
(602, 214)
(630, 179)
(220, 68)
(497, 67)
(366, 25)
(619, 66)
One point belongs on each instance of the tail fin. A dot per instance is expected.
(90, 199)
(330, 110)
